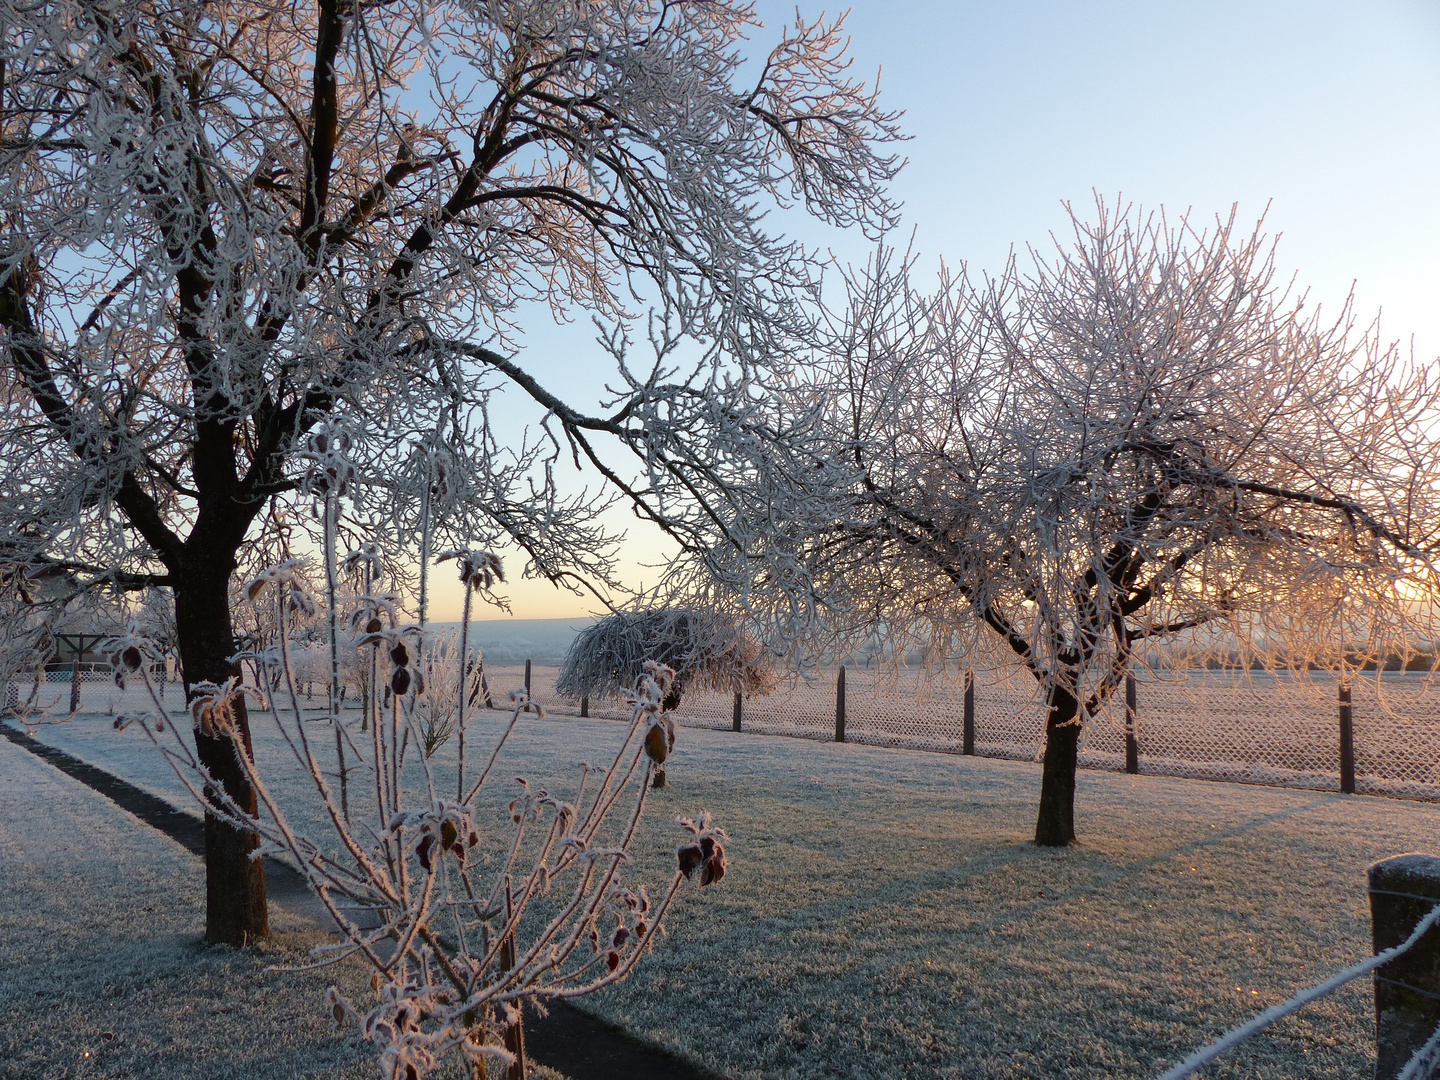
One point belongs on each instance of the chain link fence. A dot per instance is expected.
(58, 691)
(1253, 727)
(1248, 727)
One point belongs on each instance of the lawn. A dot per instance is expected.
(885, 915)
(103, 973)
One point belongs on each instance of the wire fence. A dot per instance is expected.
(91, 689)
(1250, 727)
(1258, 728)
(57, 692)
(1419, 1067)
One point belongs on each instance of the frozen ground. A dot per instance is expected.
(884, 916)
(102, 972)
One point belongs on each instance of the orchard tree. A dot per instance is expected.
(227, 224)
(1139, 437)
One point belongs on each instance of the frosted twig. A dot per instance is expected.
(1236, 1036)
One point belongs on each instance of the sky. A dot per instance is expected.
(1323, 117)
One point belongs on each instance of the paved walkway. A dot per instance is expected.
(566, 1040)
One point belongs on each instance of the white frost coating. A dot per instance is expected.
(214, 244)
(1424, 1062)
(1236, 1036)
(1142, 447)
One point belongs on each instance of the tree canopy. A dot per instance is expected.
(223, 226)
(1137, 437)
(707, 650)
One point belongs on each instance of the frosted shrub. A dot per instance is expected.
(707, 649)
(438, 708)
(461, 918)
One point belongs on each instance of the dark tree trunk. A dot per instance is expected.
(235, 907)
(1055, 826)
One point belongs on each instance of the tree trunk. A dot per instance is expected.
(235, 907)
(1055, 826)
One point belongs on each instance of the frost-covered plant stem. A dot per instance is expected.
(332, 604)
(368, 719)
(464, 694)
(426, 523)
(459, 943)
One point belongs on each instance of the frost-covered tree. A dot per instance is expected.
(1141, 439)
(223, 224)
(695, 648)
(707, 649)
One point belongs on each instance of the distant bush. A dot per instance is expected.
(708, 651)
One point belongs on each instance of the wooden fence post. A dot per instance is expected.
(1347, 741)
(1403, 889)
(75, 684)
(967, 742)
(484, 688)
(527, 683)
(585, 705)
(840, 705)
(1132, 745)
(736, 722)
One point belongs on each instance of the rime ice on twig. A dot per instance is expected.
(461, 926)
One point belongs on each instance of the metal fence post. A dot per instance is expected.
(1132, 745)
(1403, 889)
(736, 722)
(840, 705)
(967, 741)
(1347, 741)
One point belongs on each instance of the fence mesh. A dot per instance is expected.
(1249, 728)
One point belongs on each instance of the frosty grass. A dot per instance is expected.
(885, 916)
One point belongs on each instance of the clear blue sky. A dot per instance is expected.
(1327, 112)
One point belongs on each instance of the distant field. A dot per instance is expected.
(513, 641)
